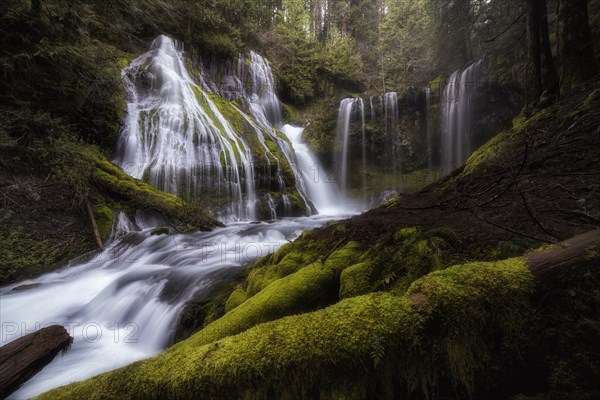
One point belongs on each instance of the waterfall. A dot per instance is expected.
(457, 114)
(263, 87)
(361, 107)
(176, 138)
(321, 190)
(182, 137)
(391, 119)
(373, 116)
(353, 110)
(343, 141)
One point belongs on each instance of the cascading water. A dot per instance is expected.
(322, 191)
(361, 107)
(372, 109)
(263, 87)
(343, 141)
(391, 118)
(347, 108)
(122, 304)
(457, 114)
(175, 137)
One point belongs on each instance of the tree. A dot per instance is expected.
(541, 72)
(406, 45)
(575, 47)
(453, 33)
(534, 68)
(549, 74)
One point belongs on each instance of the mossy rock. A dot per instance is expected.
(141, 195)
(104, 220)
(311, 287)
(344, 257)
(161, 230)
(357, 280)
(237, 297)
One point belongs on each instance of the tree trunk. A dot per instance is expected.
(575, 48)
(550, 81)
(24, 357)
(534, 70)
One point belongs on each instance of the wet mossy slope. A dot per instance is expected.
(44, 217)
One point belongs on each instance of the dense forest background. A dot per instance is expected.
(60, 60)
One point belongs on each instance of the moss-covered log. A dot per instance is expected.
(111, 179)
(550, 262)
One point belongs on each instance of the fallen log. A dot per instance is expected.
(26, 356)
(548, 263)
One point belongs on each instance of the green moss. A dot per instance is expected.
(357, 280)
(259, 278)
(405, 233)
(436, 84)
(142, 195)
(476, 307)
(104, 220)
(474, 302)
(237, 297)
(344, 257)
(400, 258)
(283, 355)
(488, 153)
(22, 250)
(292, 115)
(309, 288)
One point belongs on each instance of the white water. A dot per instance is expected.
(457, 115)
(321, 188)
(394, 141)
(176, 138)
(343, 163)
(123, 305)
(343, 141)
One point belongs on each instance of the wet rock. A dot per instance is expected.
(26, 287)
(159, 231)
